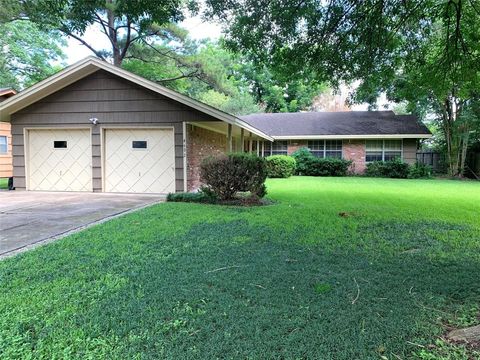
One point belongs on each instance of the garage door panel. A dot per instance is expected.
(139, 170)
(60, 169)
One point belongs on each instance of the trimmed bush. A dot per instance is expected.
(226, 175)
(198, 197)
(327, 167)
(280, 166)
(388, 169)
(309, 165)
(420, 171)
(303, 158)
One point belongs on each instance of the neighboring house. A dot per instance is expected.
(96, 127)
(5, 140)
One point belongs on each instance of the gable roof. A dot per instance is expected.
(7, 92)
(91, 64)
(345, 125)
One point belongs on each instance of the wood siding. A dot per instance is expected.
(115, 102)
(6, 159)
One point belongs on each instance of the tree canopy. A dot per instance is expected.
(28, 53)
(424, 52)
(123, 22)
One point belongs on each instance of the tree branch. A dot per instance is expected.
(84, 43)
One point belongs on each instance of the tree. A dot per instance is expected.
(27, 53)
(421, 51)
(123, 22)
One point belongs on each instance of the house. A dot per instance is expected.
(359, 136)
(6, 166)
(96, 127)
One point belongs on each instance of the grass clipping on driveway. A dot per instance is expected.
(293, 280)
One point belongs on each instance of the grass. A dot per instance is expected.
(292, 280)
(3, 183)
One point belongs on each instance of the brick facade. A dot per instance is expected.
(355, 150)
(294, 145)
(201, 143)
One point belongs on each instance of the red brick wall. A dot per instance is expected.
(294, 145)
(355, 150)
(201, 143)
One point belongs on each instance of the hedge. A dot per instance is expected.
(280, 166)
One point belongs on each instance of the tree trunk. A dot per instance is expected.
(113, 35)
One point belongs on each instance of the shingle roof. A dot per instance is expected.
(337, 123)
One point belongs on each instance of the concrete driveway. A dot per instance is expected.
(28, 218)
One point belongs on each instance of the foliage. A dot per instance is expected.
(123, 22)
(227, 175)
(419, 171)
(229, 282)
(198, 197)
(303, 157)
(280, 166)
(389, 169)
(327, 167)
(27, 52)
(423, 53)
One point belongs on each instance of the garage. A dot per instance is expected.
(139, 160)
(59, 159)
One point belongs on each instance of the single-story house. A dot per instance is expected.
(6, 166)
(96, 127)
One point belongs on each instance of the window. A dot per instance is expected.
(139, 144)
(275, 148)
(383, 150)
(3, 145)
(326, 148)
(60, 144)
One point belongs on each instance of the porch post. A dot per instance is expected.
(229, 138)
(242, 140)
(250, 143)
(258, 147)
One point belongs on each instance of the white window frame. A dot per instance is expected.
(270, 151)
(6, 145)
(324, 151)
(383, 149)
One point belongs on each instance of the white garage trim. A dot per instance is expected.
(26, 148)
(103, 157)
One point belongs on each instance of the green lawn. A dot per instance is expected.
(3, 183)
(292, 280)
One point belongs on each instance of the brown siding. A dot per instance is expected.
(115, 102)
(6, 159)
(200, 144)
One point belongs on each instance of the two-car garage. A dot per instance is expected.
(133, 160)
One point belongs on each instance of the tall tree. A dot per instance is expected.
(123, 22)
(422, 51)
(27, 54)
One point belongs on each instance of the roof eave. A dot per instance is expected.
(370, 136)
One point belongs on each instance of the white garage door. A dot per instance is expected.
(139, 160)
(59, 160)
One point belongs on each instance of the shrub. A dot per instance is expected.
(420, 171)
(280, 166)
(228, 174)
(303, 157)
(389, 169)
(199, 197)
(327, 167)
